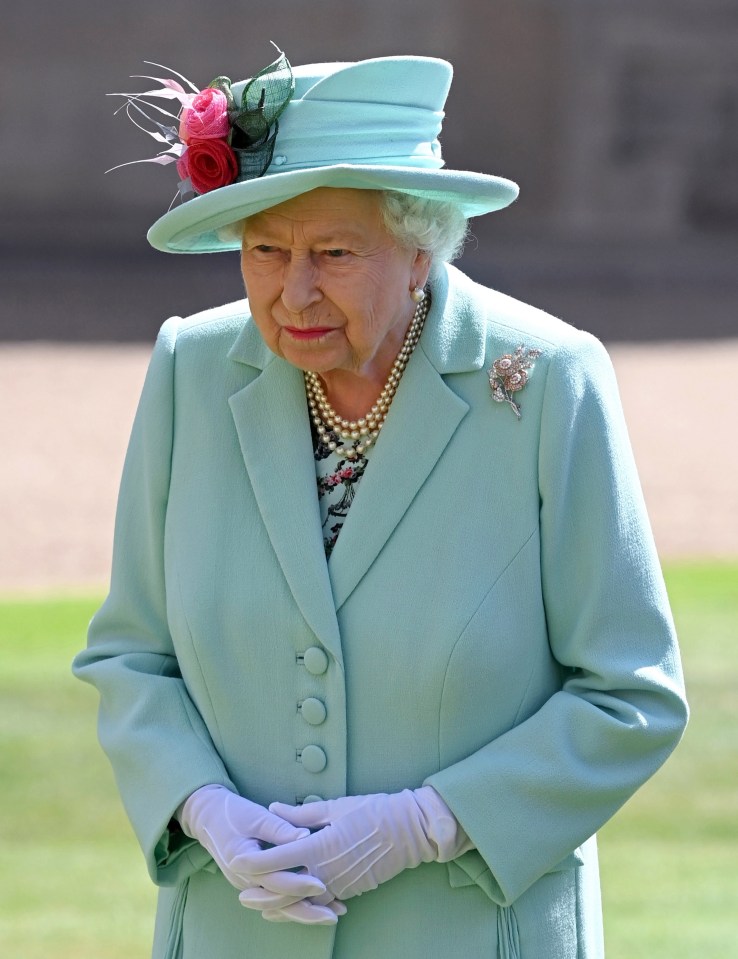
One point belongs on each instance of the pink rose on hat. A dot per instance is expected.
(205, 117)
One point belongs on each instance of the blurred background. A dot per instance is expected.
(620, 122)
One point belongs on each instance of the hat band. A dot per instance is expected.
(314, 134)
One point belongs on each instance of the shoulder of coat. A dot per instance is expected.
(504, 318)
(214, 322)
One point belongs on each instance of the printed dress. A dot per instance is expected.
(338, 479)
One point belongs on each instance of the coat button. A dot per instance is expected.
(316, 660)
(312, 798)
(313, 711)
(314, 759)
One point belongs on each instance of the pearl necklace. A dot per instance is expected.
(356, 436)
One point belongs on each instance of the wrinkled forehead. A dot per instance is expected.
(326, 216)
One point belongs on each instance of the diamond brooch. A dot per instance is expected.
(509, 374)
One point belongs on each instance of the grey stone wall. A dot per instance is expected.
(651, 129)
(617, 119)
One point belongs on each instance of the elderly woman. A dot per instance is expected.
(387, 641)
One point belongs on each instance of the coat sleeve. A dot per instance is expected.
(532, 796)
(151, 731)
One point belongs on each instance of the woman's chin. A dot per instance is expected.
(314, 354)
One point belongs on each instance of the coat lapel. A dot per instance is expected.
(413, 438)
(424, 416)
(271, 419)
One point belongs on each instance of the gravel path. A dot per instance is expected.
(66, 412)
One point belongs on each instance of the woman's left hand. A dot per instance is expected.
(276, 908)
(361, 841)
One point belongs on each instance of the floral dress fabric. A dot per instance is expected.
(338, 479)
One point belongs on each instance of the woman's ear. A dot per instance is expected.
(420, 269)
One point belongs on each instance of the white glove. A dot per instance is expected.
(365, 840)
(231, 827)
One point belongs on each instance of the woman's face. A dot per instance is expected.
(328, 287)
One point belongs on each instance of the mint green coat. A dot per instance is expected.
(492, 621)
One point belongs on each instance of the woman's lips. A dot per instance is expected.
(314, 333)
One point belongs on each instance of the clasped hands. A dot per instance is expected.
(358, 843)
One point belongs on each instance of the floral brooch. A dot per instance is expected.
(509, 374)
(214, 138)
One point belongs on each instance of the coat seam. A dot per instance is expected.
(220, 744)
(481, 602)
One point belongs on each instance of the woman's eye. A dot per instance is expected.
(265, 248)
(336, 253)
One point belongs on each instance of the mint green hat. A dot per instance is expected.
(370, 125)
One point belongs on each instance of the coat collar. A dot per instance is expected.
(249, 347)
(272, 422)
(454, 338)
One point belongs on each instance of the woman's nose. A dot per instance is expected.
(300, 288)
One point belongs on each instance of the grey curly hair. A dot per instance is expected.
(436, 227)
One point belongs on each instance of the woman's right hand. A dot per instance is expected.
(230, 827)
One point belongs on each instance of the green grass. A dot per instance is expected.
(73, 885)
(670, 858)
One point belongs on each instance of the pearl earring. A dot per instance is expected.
(417, 295)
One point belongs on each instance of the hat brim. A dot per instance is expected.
(193, 227)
